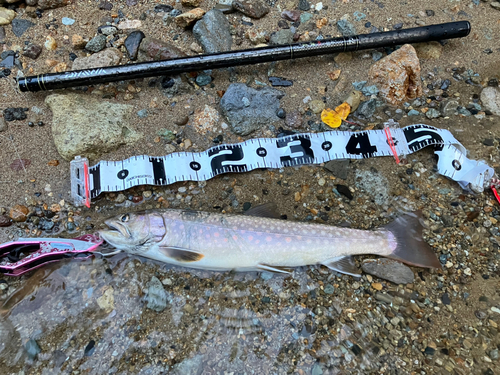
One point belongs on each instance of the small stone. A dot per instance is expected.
(495, 5)
(105, 5)
(316, 106)
(398, 75)
(329, 289)
(143, 113)
(132, 43)
(181, 120)
(450, 108)
(283, 36)
(20, 26)
(50, 43)
(130, 25)
(108, 57)
(369, 90)
(156, 296)
(188, 18)
(251, 8)
(291, 15)
(339, 168)
(163, 8)
(280, 82)
(205, 120)
(6, 16)
(32, 51)
(97, 43)
(107, 30)
(67, 21)
(354, 99)
(387, 298)
(293, 119)
(376, 55)
(346, 28)
(413, 112)
(305, 17)
(489, 142)
(15, 114)
(52, 4)
(5, 221)
(19, 213)
(445, 298)
(107, 301)
(32, 349)
(367, 108)
(78, 42)
(490, 97)
(304, 5)
(432, 113)
(388, 269)
(213, 32)
(158, 50)
(377, 286)
(345, 191)
(281, 113)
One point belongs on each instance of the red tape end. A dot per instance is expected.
(87, 187)
(391, 143)
(494, 184)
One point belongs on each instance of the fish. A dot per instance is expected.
(261, 241)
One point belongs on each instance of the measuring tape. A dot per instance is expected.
(292, 150)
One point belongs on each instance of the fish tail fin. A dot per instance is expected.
(411, 247)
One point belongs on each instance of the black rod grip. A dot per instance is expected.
(52, 81)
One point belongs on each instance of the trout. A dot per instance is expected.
(259, 240)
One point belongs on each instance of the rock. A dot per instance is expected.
(156, 296)
(174, 85)
(283, 36)
(50, 43)
(19, 213)
(251, 8)
(107, 30)
(339, 168)
(256, 37)
(346, 28)
(398, 75)
(191, 3)
(32, 349)
(164, 8)
(432, 113)
(291, 15)
(14, 114)
(316, 106)
(388, 269)
(374, 185)
(224, 8)
(107, 301)
(354, 99)
(78, 42)
(366, 109)
(203, 79)
(108, 57)
(213, 32)
(32, 51)
(130, 25)
(248, 109)
(5, 221)
(6, 16)
(304, 5)
(490, 96)
(52, 4)
(97, 43)
(205, 120)
(154, 49)
(293, 119)
(132, 43)
(369, 90)
(67, 21)
(192, 366)
(89, 126)
(305, 17)
(449, 108)
(188, 18)
(20, 26)
(413, 112)
(495, 5)
(430, 50)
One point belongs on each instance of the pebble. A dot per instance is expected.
(388, 269)
(14, 114)
(107, 30)
(291, 15)
(132, 43)
(203, 79)
(163, 8)
(358, 16)
(304, 5)
(369, 90)
(354, 99)
(387, 298)
(205, 119)
(490, 97)
(97, 43)
(329, 289)
(430, 50)
(450, 108)
(130, 24)
(366, 109)
(305, 17)
(186, 19)
(495, 5)
(376, 55)
(108, 57)
(432, 113)
(283, 36)
(281, 113)
(19, 213)
(107, 301)
(345, 191)
(346, 28)
(260, 109)
(20, 26)
(413, 112)
(32, 349)
(293, 119)
(32, 51)
(6, 16)
(316, 106)
(156, 297)
(50, 43)
(251, 8)
(339, 168)
(280, 82)
(213, 32)
(67, 21)
(143, 113)
(5, 221)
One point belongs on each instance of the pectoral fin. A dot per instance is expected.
(181, 255)
(264, 210)
(344, 264)
(277, 269)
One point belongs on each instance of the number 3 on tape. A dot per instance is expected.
(292, 150)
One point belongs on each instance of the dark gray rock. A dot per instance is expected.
(432, 113)
(304, 5)
(19, 26)
(339, 168)
(132, 43)
(346, 28)
(96, 44)
(32, 349)
(449, 108)
(283, 36)
(366, 109)
(107, 30)
(212, 32)
(14, 113)
(388, 269)
(32, 51)
(156, 297)
(248, 109)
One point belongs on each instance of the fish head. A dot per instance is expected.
(134, 232)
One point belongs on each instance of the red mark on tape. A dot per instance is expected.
(390, 141)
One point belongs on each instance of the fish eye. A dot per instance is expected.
(124, 218)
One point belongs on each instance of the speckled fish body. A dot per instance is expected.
(236, 242)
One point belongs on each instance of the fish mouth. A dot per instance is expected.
(115, 227)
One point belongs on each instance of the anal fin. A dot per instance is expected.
(343, 264)
(181, 255)
(276, 269)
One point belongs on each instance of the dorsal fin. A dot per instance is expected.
(264, 210)
(181, 255)
(343, 264)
